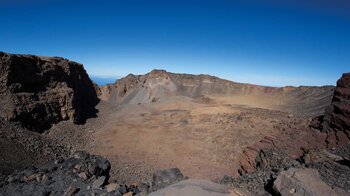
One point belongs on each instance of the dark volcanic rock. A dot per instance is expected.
(40, 91)
(166, 177)
(57, 178)
(333, 167)
(330, 171)
(81, 174)
(269, 164)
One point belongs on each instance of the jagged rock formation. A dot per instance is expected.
(82, 174)
(39, 91)
(337, 118)
(159, 84)
(315, 170)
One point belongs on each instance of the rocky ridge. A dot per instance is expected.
(36, 100)
(159, 84)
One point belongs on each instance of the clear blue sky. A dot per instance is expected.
(272, 43)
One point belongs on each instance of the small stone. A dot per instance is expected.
(83, 175)
(92, 168)
(11, 179)
(128, 194)
(80, 155)
(112, 187)
(143, 188)
(292, 191)
(78, 167)
(29, 178)
(71, 191)
(99, 182)
(44, 178)
(134, 189)
(122, 189)
(38, 178)
(57, 161)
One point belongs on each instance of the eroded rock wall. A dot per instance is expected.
(336, 121)
(39, 91)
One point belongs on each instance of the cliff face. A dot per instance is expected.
(39, 91)
(336, 121)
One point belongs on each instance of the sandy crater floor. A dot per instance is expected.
(202, 137)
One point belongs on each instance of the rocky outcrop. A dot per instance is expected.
(328, 170)
(333, 166)
(337, 118)
(39, 91)
(81, 174)
(268, 163)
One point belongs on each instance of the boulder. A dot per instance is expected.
(332, 166)
(163, 178)
(197, 187)
(303, 182)
(112, 187)
(99, 182)
(40, 91)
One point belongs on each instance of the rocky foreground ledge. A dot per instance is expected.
(82, 174)
(315, 173)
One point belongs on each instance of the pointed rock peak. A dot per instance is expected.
(344, 81)
(158, 73)
(130, 75)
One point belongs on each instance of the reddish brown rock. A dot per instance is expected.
(336, 121)
(40, 91)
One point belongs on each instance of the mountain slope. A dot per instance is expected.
(160, 84)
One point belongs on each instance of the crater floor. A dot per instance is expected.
(204, 137)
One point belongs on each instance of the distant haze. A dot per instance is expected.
(103, 80)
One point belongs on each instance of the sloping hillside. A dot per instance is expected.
(160, 84)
